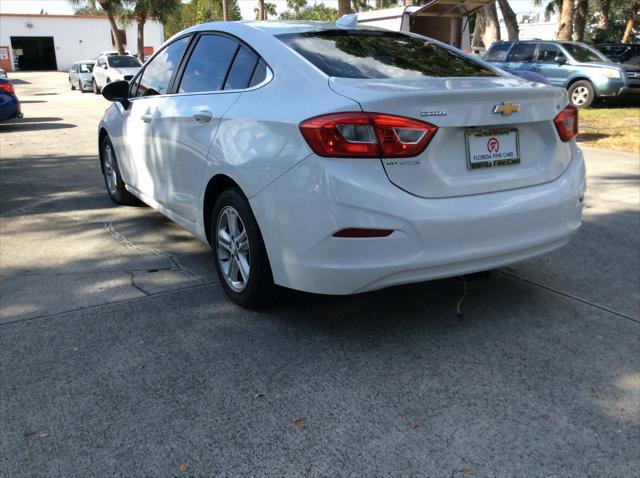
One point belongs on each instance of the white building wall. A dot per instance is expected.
(75, 37)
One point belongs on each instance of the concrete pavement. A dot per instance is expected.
(120, 356)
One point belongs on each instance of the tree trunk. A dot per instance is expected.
(261, 13)
(603, 21)
(140, 15)
(631, 23)
(408, 3)
(565, 28)
(478, 30)
(114, 26)
(344, 7)
(225, 10)
(580, 20)
(491, 26)
(510, 20)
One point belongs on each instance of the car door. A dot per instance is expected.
(210, 81)
(521, 56)
(551, 63)
(99, 72)
(73, 75)
(140, 168)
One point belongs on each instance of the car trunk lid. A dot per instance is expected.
(463, 111)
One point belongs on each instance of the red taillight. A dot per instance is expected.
(366, 135)
(7, 87)
(567, 123)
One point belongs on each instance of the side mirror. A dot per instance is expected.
(117, 91)
(105, 67)
(560, 60)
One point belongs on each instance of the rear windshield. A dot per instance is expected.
(86, 67)
(379, 54)
(123, 62)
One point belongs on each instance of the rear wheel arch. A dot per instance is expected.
(215, 187)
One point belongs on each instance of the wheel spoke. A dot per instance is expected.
(243, 266)
(233, 272)
(243, 243)
(224, 240)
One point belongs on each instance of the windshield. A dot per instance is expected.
(123, 62)
(372, 54)
(86, 67)
(583, 53)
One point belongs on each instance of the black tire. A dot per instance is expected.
(96, 90)
(82, 88)
(581, 94)
(118, 192)
(259, 290)
(73, 87)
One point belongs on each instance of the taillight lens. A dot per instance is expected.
(367, 135)
(7, 87)
(567, 123)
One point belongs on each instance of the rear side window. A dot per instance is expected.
(497, 52)
(522, 52)
(241, 70)
(157, 74)
(259, 74)
(208, 65)
(380, 54)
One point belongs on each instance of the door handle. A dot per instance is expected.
(203, 116)
(147, 117)
(536, 67)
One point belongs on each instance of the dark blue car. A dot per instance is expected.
(9, 103)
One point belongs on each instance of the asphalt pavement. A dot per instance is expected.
(121, 356)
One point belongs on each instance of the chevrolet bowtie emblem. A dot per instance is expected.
(506, 109)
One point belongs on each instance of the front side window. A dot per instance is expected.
(86, 67)
(584, 54)
(370, 54)
(156, 77)
(208, 65)
(123, 62)
(549, 53)
(522, 53)
(498, 52)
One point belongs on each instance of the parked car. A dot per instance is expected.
(585, 72)
(111, 53)
(3, 74)
(110, 68)
(9, 103)
(339, 160)
(81, 76)
(628, 53)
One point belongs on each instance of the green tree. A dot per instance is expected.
(89, 8)
(318, 12)
(140, 10)
(264, 9)
(109, 7)
(199, 11)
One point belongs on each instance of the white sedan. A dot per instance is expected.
(338, 160)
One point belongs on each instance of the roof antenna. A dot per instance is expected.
(349, 20)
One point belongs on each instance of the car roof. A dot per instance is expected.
(273, 27)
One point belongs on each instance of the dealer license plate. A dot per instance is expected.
(492, 148)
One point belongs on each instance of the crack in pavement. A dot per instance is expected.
(175, 263)
(567, 295)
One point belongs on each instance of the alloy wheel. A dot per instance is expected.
(110, 170)
(233, 249)
(580, 96)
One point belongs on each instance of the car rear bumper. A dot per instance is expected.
(9, 107)
(433, 238)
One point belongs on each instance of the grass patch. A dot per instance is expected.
(607, 127)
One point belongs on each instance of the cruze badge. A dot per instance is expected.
(506, 109)
(433, 113)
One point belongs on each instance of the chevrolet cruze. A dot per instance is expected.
(339, 160)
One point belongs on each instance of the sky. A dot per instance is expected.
(62, 7)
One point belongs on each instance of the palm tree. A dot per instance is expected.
(580, 19)
(109, 7)
(631, 23)
(510, 20)
(344, 7)
(296, 5)
(565, 28)
(265, 9)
